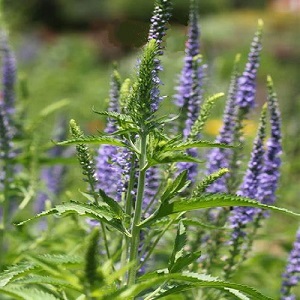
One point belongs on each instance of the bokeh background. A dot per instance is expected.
(65, 50)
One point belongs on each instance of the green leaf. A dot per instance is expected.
(37, 279)
(171, 157)
(58, 259)
(114, 205)
(197, 223)
(14, 272)
(191, 280)
(179, 244)
(101, 212)
(196, 144)
(175, 186)
(208, 201)
(26, 293)
(98, 140)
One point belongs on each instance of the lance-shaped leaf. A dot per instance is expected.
(175, 186)
(192, 280)
(179, 259)
(98, 140)
(100, 212)
(26, 293)
(195, 144)
(208, 201)
(171, 157)
(14, 272)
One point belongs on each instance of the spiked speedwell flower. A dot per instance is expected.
(9, 76)
(247, 84)
(107, 170)
(158, 28)
(270, 173)
(220, 158)
(240, 216)
(192, 51)
(291, 276)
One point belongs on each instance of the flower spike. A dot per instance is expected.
(247, 84)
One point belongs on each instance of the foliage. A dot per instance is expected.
(150, 223)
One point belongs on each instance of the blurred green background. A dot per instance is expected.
(65, 49)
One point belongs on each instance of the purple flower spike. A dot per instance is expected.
(107, 170)
(220, 158)
(291, 276)
(158, 28)
(241, 216)
(9, 76)
(192, 50)
(270, 173)
(247, 84)
(159, 20)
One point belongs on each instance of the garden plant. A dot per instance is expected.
(164, 212)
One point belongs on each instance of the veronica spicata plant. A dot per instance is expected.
(155, 226)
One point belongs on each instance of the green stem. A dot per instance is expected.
(128, 209)
(153, 245)
(135, 231)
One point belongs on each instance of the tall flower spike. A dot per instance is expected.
(107, 170)
(241, 216)
(291, 276)
(159, 20)
(270, 173)
(247, 82)
(9, 76)
(192, 50)
(158, 28)
(220, 158)
(193, 106)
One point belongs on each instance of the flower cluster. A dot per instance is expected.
(247, 85)
(291, 276)
(243, 215)
(158, 28)
(220, 158)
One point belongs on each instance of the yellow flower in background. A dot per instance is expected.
(213, 127)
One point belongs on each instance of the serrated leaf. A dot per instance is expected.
(193, 222)
(175, 186)
(115, 207)
(14, 272)
(37, 279)
(100, 212)
(179, 244)
(98, 140)
(115, 115)
(59, 259)
(26, 293)
(194, 280)
(196, 144)
(184, 261)
(171, 157)
(208, 201)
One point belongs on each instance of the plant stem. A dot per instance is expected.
(135, 231)
(128, 209)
